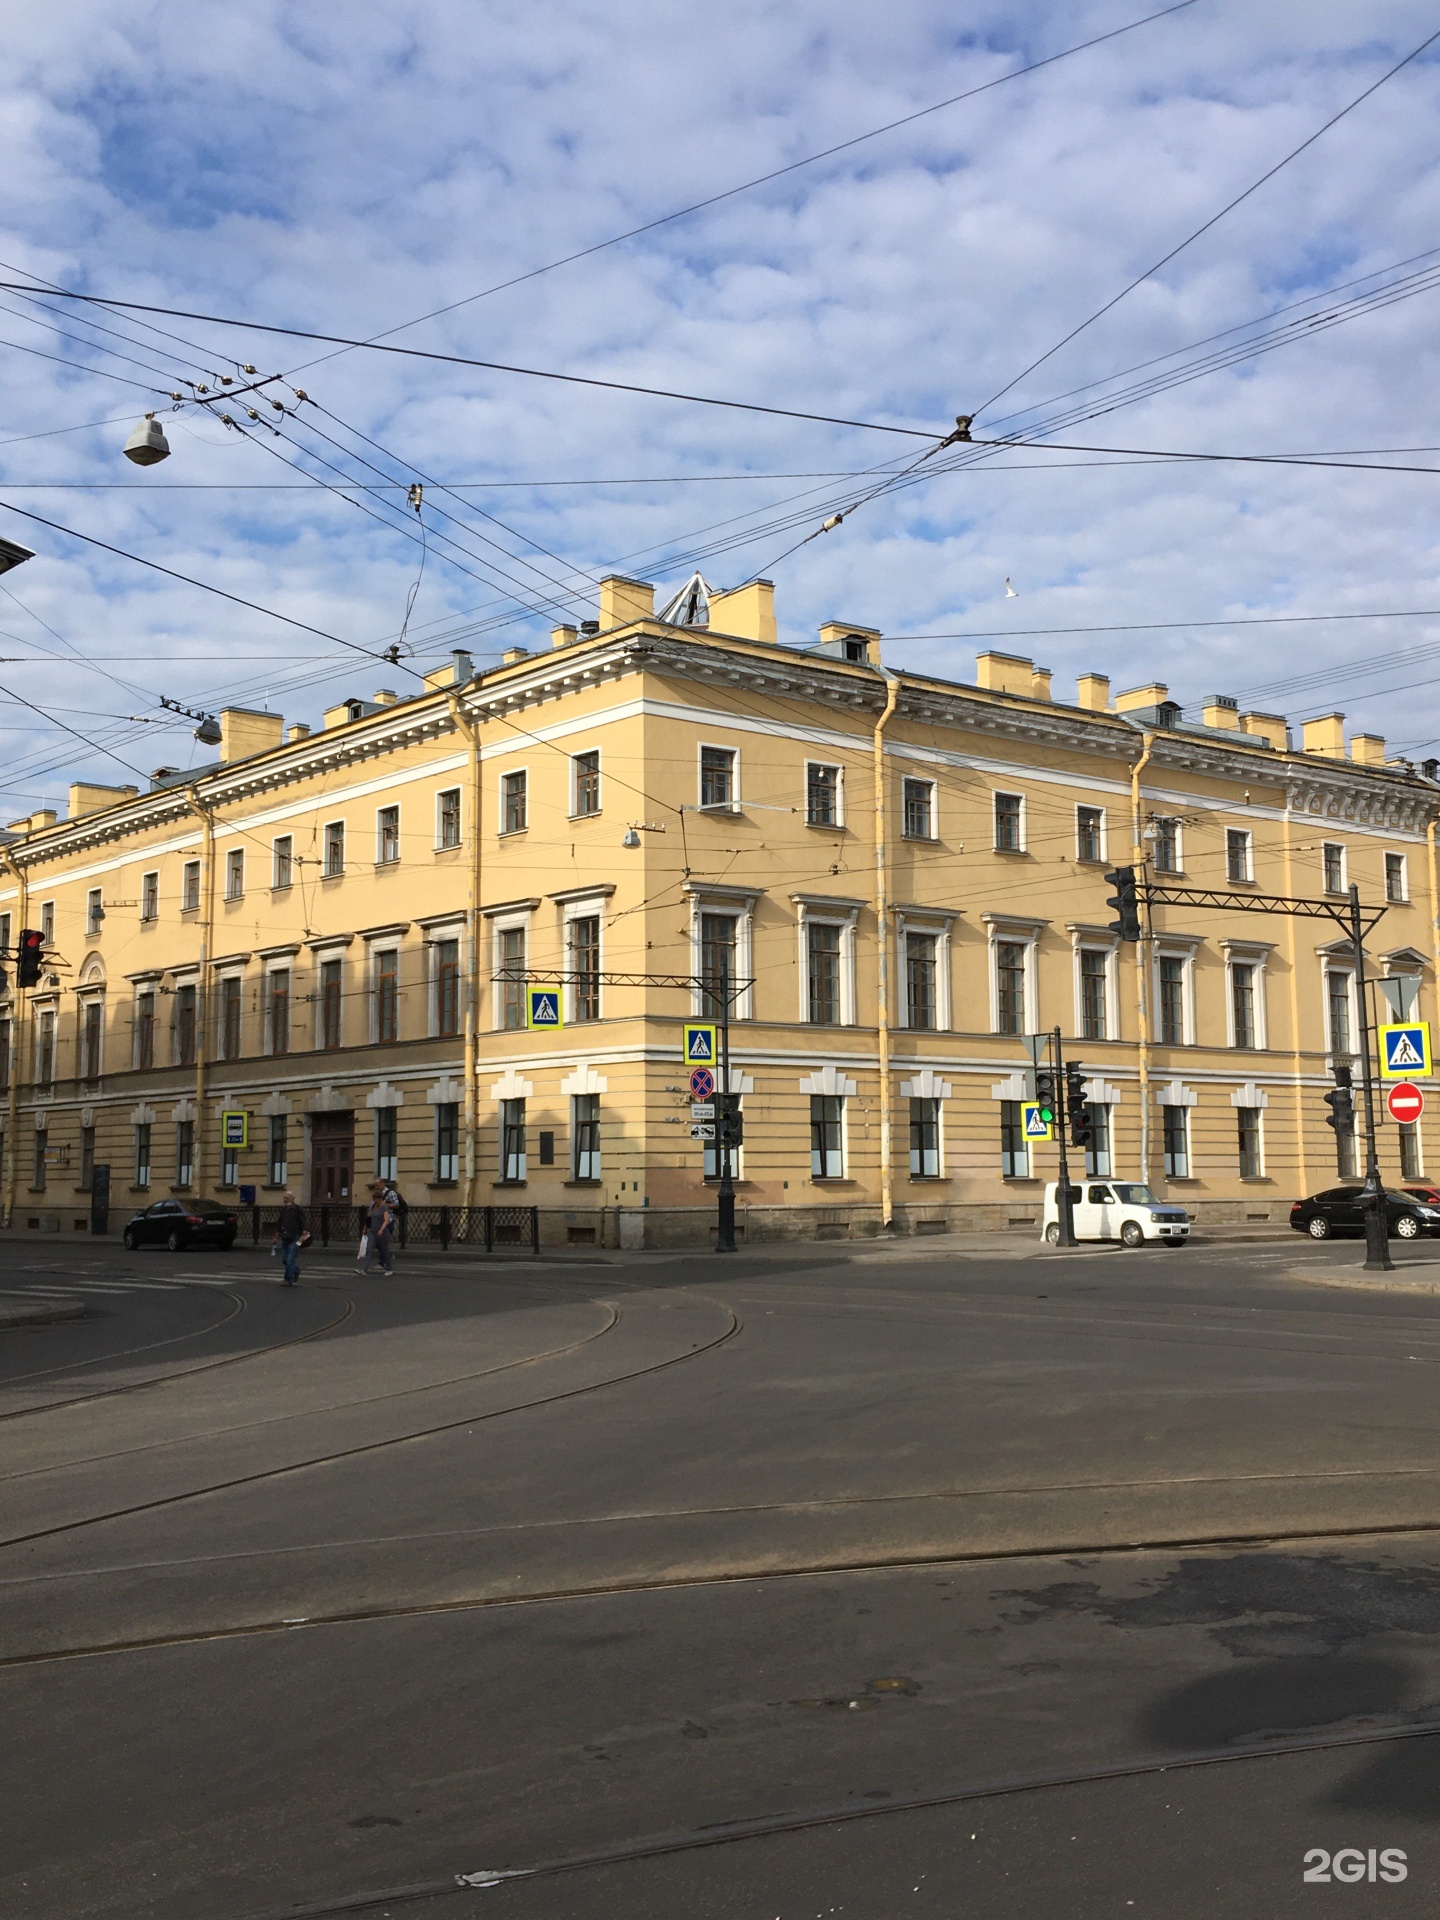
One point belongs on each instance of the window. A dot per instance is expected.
(1409, 1151)
(920, 981)
(184, 1047)
(1172, 1001)
(584, 1136)
(387, 995)
(822, 795)
(512, 1139)
(1237, 853)
(4, 930)
(1167, 846)
(334, 850)
(190, 887)
(1014, 1148)
(45, 1048)
(235, 874)
(278, 1156)
(144, 1030)
(1010, 986)
(447, 987)
(827, 1136)
(1395, 877)
(387, 1155)
(1345, 1154)
(387, 836)
(1089, 833)
(587, 782)
(91, 1032)
(282, 862)
(717, 776)
(47, 913)
(229, 1166)
(1177, 1142)
(184, 1152)
(925, 1139)
(1097, 1154)
(1333, 860)
(87, 1159)
(277, 1010)
(5, 1031)
(585, 967)
(230, 990)
(37, 1178)
(142, 1154)
(447, 818)
(1242, 1002)
(823, 956)
(513, 798)
(917, 804)
(1248, 1124)
(330, 1005)
(149, 896)
(94, 912)
(447, 1141)
(1337, 995)
(1009, 823)
(512, 978)
(718, 933)
(1094, 992)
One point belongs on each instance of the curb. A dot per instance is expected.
(40, 1316)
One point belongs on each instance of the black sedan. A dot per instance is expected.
(178, 1224)
(1339, 1210)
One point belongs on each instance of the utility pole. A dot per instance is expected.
(1064, 1205)
(725, 1209)
(1377, 1219)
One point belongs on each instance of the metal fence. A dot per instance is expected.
(443, 1227)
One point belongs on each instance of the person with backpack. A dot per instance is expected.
(378, 1225)
(291, 1235)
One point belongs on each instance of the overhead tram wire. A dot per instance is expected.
(1214, 220)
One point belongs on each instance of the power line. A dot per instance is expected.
(1170, 626)
(1214, 219)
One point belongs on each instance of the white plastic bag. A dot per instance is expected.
(364, 1246)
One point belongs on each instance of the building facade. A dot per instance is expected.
(333, 933)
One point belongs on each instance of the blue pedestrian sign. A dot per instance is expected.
(543, 1009)
(700, 1046)
(1405, 1050)
(1038, 1123)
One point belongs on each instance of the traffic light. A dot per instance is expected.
(1082, 1119)
(27, 968)
(1341, 1102)
(1125, 901)
(729, 1121)
(1045, 1094)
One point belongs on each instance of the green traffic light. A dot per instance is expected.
(1047, 1114)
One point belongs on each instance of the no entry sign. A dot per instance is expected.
(1405, 1101)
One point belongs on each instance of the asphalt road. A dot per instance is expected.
(870, 1583)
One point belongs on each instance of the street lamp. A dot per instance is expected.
(147, 444)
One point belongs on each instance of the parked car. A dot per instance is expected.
(179, 1224)
(1427, 1195)
(1410, 1213)
(1116, 1210)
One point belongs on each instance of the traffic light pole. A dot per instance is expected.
(1377, 1219)
(1064, 1206)
(725, 1199)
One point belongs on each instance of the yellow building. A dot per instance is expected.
(329, 931)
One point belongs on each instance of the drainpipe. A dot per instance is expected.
(202, 990)
(1142, 962)
(17, 1053)
(1434, 899)
(882, 936)
(472, 945)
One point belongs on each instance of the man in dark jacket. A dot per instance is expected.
(289, 1232)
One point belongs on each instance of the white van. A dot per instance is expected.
(1117, 1210)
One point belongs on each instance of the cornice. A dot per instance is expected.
(1365, 801)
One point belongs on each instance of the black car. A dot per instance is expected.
(1339, 1210)
(178, 1224)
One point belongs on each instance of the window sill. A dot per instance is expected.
(929, 1179)
(1256, 1180)
(282, 886)
(1012, 853)
(511, 833)
(827, 826)
(584, 1183)
(231, 900)
(381, 865)
(1021, 1180)
(509, 1183)
(143, 1188)
(920, 839)
(584, 816)
(183, 1186)
(832, 1180)
(439, 1186)
(334, 876)
(455, 848)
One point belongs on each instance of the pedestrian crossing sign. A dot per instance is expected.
(1405, 1050)
(700, 1046)
(1039, 1124)
(542, 1007)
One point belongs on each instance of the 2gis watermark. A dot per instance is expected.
(1352, 1864)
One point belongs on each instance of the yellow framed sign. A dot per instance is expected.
(1034, 1123)
(544, 1008)
(700, 1045)
(235, 1130)
(1405, 1050)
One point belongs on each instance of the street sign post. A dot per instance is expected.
(1405, 1049)
(1406, 1103)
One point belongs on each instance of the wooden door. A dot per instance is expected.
(332, 1158)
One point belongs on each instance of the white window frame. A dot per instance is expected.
(921, 920)
(1009, 793)
(1240, 953)
(732, 805)
(1177, 826)
(1343, 851)
(1168, 948)
(441, 794)
(1248, 877)
(372, 967)
(517, 920)
(502, 832)
(94, 911)
(190, 870)
(282, 863)
(1257, 1108)
(503, 1171)
(332, 957)
(592, 908)
(1097, 1107)
(1331, 967)
(47, 917)
(436, 933)
(825, 1179)
(1168, 1106)
(1024, 933)
(1088, 806)
(149, 897)
(741, 905)
(575, 758)
(92, 998)
(141, 988)
(1087, 942)
(235, 873)
(267, 1024)
(837, 824)
(327, 872)
(820, 913)
(1403, 897)
(392, 806)
(217, 988)
(921, 780)
(937, 1101)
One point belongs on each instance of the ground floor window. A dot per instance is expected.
(87, 1158)
(1014, 1149)
(1098, 1154)
(37, 1184)
(1177, 1142)
(712, 1155)
(229, 1166)
(584, 1136)
(1409, 1152)
(447, 1140)
(142, 1154)
(1345, 1158)
(279, 1150)
(512, 1139)
(387, 1157)
(1248, 1124)
(827, 1136)
(925, 1139)
(184, 1152)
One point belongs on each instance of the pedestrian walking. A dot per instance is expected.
(378, 1225)
(291, 1234)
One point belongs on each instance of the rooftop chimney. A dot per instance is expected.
(86, 797)
(1221, 710)
(747, 613)
(860, 644)
(1004, 672)
(564, 636)
(1092, 691)
(300, 731)
(1368, 749)
(1326, 735)
(513, 655)
(1269, 727)
(245, 731)
(623, 600)
(1153, 695)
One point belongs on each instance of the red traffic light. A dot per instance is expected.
(27, 959)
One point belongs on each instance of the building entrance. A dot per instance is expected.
(332, 1156)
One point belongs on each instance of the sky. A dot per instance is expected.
(352, 170)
